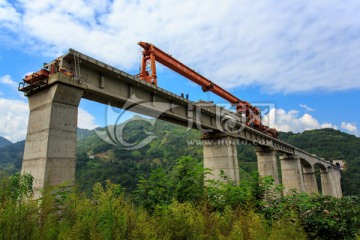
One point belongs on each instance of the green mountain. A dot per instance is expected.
(11, 158)
(98, 160)
(82, 133)
(4, 142)
(11, 154)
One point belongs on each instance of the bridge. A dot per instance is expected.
(50, 147)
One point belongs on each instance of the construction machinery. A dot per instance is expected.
(151, 54)
(38, 80)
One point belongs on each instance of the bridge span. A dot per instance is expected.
(50, 148)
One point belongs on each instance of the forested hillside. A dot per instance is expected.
(11, 158)
(174, 141)
(4, 142)
(98, 160)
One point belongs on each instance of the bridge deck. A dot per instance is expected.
(108, 85)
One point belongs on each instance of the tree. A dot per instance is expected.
(184, 182)
(188, 180)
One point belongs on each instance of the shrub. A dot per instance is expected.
(180, 221)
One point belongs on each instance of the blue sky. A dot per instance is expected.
(301, 57)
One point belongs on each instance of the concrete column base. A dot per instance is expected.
(337, 191)
(267, 164)
(310, 180)
(330, 182)
(326, 183)
(292, 176)
(50, 147)
(220, 155)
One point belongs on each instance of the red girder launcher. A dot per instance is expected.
(151, 54)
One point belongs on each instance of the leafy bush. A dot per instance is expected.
(322, 217)
(180, 221)
(185, 182)
(175, 205)
(16, 214)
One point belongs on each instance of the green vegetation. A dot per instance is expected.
(98, 160)
(126, 167)
(11, 158)
(174, 204)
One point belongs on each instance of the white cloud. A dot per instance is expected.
(307, 108)
(10, 87)
(309, 122)
(351, 127)
(86, 120)
(292, 121)
(329, 125)
(283, 46)
(9, 17)
(8, 81)
(14, 115)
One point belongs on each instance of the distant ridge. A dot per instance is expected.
(4, 142)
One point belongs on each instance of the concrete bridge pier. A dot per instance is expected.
(50, 147)
(267, 163)
(326, 182)
(220, 155)
(310, 179)
(292, 177)
(336, 182)
(330, 182)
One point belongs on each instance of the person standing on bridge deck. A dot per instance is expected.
(187, 96)
(182, 95)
